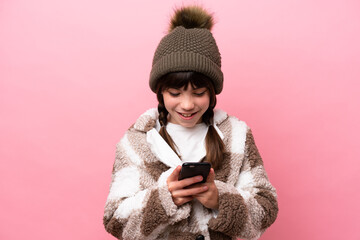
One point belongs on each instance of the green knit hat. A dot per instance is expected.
(189, 46)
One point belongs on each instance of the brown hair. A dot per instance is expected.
(214, 145)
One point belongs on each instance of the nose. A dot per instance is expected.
(187, 103)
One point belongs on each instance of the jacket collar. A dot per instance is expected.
(148, 123)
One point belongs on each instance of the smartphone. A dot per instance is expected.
(192, 169)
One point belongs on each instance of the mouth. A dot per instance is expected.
(187, 116)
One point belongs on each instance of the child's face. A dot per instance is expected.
(186, 107)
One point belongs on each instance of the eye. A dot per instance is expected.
(174, 94)
(199, 94)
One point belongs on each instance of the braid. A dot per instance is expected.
(163, 113)
(215, 148)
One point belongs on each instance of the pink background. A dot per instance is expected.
(73, 78)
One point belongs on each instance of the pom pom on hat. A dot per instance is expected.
(191, 17)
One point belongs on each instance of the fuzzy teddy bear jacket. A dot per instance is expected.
(140, 206)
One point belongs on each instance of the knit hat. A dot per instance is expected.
(189, 46)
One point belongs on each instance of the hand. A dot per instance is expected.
(209, 198)
(180, 194)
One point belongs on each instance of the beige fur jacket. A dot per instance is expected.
(139, 205)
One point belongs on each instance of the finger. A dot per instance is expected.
(182, 200)
(175, 174)
(177, 185)
(189, 191)
(190, 181)
(211, 176)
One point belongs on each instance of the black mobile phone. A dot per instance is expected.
(192, 169)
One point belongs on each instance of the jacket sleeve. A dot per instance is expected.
(250, 206)
(138, 207)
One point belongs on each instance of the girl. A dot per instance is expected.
(146, 199)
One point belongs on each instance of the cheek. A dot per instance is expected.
(169, 102)
(205, 102)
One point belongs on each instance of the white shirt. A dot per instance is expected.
(190, 142)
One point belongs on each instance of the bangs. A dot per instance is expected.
(182, 79)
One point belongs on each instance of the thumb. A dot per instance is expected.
(211, 177)
(174, 176)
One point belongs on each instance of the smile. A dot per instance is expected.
(187, 115)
